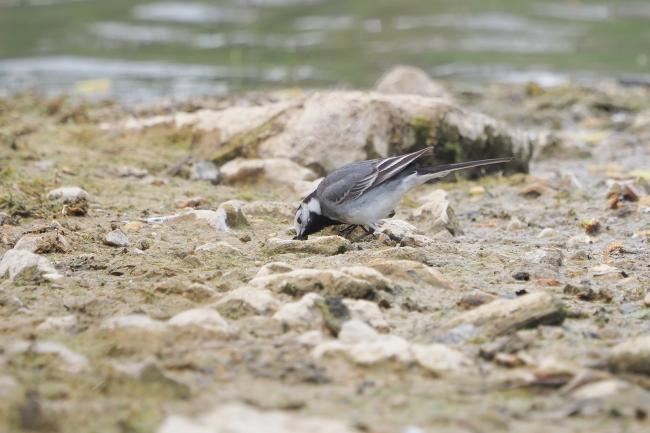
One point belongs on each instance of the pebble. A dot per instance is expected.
(440, 359)
(631, 356)
(549, 256)
(41, 243)
(302, 313)
(323, 245)
(516, 224)
(409, 273)
(245, 301)
(128, 171)
(274, 268)
(133, 226)
(506, 315)
(547, 233)
(220, 247)
(59, 323)
(239, 418)
(230, 215)
(116, 238)
(205, 171)
(68, 194)
(367, 312)
(404, 233)
(16, 262)
(580, 240)
(75, 362)
(134, 321)
(646, 300)
(205, 318)
(436, 214)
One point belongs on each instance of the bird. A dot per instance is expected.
(365, 192)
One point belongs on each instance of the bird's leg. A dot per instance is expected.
(368, 231)
(349, 229)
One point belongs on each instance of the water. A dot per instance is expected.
(143, 50)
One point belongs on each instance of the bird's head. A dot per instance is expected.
(309, 218)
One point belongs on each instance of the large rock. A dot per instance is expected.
(632, 356)
(205, 318)
(237, 418)
(73, 361)
(16, 263)
(325, 130)
(246, 301)
(274, 170)
(356, 282)
(324, 245)
(410, 80)
(506, 315)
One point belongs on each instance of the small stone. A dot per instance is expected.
(75, 362)
(41, 243)
(436, 214)
(515, 224)
(506, 315)
(59, 323)
(440, 359)
(128, 171)
(230, 215)
(246, 301)
(133, 321)
(357, 331)
(16, 263)
(599, 389)
(605, 270)
(116, 238)
(646, 300)
(68, 195)
(302, 313)
(410, 273)
(475, 299)
(205, 318)
(580, 240)
(631, 356)
(477, 190)
(324, 245)
(274, 170)
(549, 256)
(404, 233)
(548, 233)
(367, 312)
(274, 268)
(192, 202)
(238, 418)
(521, 276)
(133, 226)
(205, 171)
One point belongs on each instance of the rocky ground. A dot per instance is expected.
(150, 283)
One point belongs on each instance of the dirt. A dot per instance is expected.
(599, 136)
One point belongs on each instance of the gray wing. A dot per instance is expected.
(351, 181)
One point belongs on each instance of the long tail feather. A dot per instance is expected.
(443, 170)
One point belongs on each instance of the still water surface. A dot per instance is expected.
(142, 50)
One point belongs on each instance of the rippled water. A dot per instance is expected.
(139, 50)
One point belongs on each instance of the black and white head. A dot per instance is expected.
(309, 218)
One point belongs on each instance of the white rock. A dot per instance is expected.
(15, 262)
(604, 270)
(547, 233)
(274, 170)
(59, 323)
(404, 233)
(357, 331)
(325, 245)
(436, 214)
(128, 171)
(237, 418)
(204, 170)
(220, 247)
(580, 240)
(549, 256)
(74, 361)
(516, 224)
(646, 300)
(311, 338)
(410, 80)
(440, 359)
(134, 321)
(600, 389)
(300, 313)
(631, 356)
(367, 312)
(260, 301)
(205, 318)
(274, 268)
(116, 238)
(410, 273)
(68, 194)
